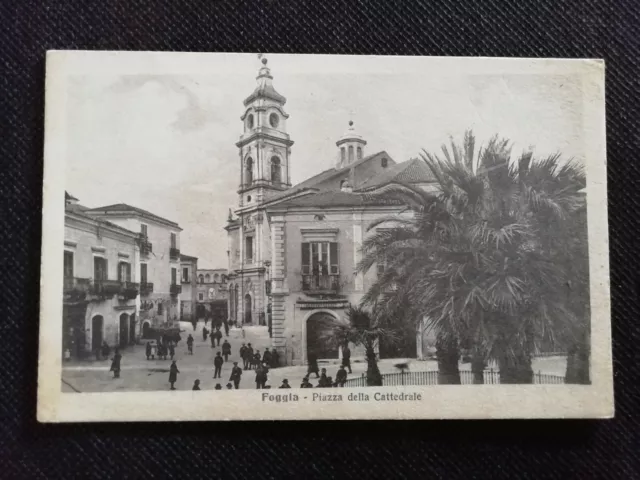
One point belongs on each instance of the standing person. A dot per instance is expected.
(236, 374)
(217, 363)
(190, 344)
(305, 383)
(172, 350)
(242, 349)
(341, 376)
(226, 350)
(313, 365)
(205, 332)
(173, 374)
(261, 377)
(194, 323)
(256, 360)
(323, 382)
(212, 337)
(218, 336)
(196, 385)
(275, 358)
(147, 350)
(266, 357)
(346, 357)
(154, 350)
(248, 357)
(105, 350)
(218, 386)
(115, 364)
(285, 384)
(226, 328)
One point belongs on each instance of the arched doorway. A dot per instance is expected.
(320, 341)
(247, 308)
(132, 329)
(124, 330)
(146, 327)
(97, 324)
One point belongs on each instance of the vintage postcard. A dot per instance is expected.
(408, 237)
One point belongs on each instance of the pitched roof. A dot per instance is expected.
(266, 91)
(83, 212)
(68, 196)
(330, 199)
(412, 171)
(123, 208)
(187, 258)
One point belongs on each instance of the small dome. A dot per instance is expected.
(351, 135)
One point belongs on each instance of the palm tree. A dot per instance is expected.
(361, 328)
(481, 255)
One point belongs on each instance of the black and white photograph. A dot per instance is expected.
(411, 237)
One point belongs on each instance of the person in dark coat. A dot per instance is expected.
(266, 357)
(162, 351)
(285, 384)
(313, 365)
(190, 344)
(148, 350)
(242, 349)
(105, 350)
(256, 360)
(205, 332)
(226, 350)
(212, 337)
(346, 357)
(341, 376)
(261, 377)
(173, 374)
(229, 386)
(324, 381)
(115, 364)
(226, 328)
(194, 323)
(218, 386)
(218, 335)
(275, 358)
(305, 383)
(218, 361)
(196, 385)
(236, 374)
(248, 357)
(172, 350)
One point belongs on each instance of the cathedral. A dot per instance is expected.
(293, 249)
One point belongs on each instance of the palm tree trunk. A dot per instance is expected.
(477, 368)
(374, 378)
(516, 370)
(448, 357)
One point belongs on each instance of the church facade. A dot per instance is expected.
(293, 250)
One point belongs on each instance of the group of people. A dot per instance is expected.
(325, 381)
(252, 360)
(165, 347)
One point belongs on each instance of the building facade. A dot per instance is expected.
(212, 294)
(101, 288)
(293, 250)
(159, 265)
(189, 280)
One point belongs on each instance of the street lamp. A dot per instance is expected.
(402, 367)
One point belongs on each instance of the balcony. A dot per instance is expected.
(320, 284)
(174, 253)
(175, 289)
(130, 290)
(146, 288)
(145, 245)
(106, 287)
(76, 288)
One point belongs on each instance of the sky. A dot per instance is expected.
(165, 142)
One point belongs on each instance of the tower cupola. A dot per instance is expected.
(350, 147)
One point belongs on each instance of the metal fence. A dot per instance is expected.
(491, 377)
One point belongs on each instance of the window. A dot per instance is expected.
(350, 153)
(385, 162)
(200, 279)
(143, 230)
(207, 278)
(216, 278)
(200, 297)
(143, 273)
(343, 154)
(248, 249)
(68, 264)
(250, 122)
(248, 171)
(248, 198)
(160, 308)
(185, 275)
(320, 258)
(359, 153)
(274, 120)
(174, 240)
(174, 275)
(275, 170)
(99, 268)
(124, 272)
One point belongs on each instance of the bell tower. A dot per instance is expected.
(350, 147)
(265, 146)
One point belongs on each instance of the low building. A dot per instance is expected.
(189, 278)
(212, 294)
(159, 264)
(101, 287)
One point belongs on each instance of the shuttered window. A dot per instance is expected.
(174, 274)
(320, 258)
(143, 273)
(99, 268)
(68, 264)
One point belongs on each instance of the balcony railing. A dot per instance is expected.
(145, 245)
(75, 284)
(130, 290)
(146, 288)
(174, 253)
(321, 283)
(106, 287)
(175, 289)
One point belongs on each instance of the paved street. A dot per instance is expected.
(140, 374)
